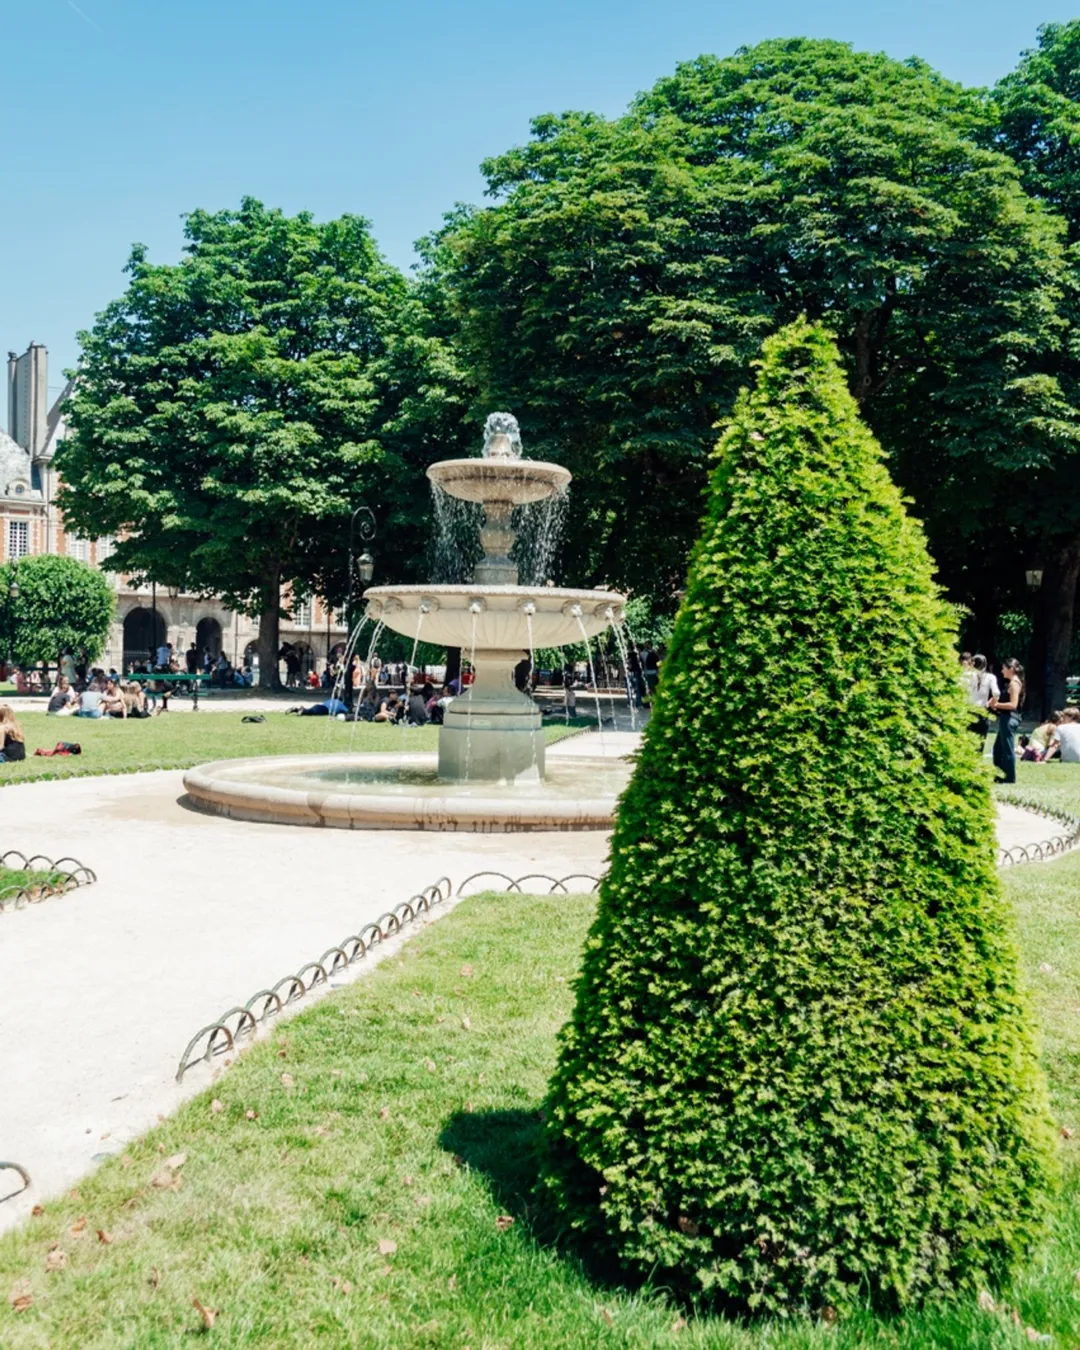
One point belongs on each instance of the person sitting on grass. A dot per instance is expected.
(369, 703)
(1069, 736)
(14, 742)
(90, 701)
(1042, 744)
(112, 701)
(135, 699)
(63, 701)
(417, 707)
(389, 709)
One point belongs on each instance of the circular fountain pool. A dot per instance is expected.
(396, 791)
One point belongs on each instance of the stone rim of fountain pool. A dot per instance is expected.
(239, 788)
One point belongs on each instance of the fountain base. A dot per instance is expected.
(492, 733)
(406, 792)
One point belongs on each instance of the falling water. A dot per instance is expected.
(410, 667)
(529, 610)
(456, 539)
(607, 678)
(339, 684)
(474, 609)
(576, 611)
(539, 527)
(624, 657)
(372, 647)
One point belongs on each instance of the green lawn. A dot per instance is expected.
(350, 1181)
(179, 740)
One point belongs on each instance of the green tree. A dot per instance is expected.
(62, 605)
(618, 288)
(229, 411)
(799, 1073)
(1039, 126)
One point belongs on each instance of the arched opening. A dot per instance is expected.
(144, 632)
(208, 640)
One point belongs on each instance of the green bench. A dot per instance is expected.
(195, 681)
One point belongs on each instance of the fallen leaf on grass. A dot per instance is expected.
(680, 1324)
(78, 1225)
(459, 1161)
(56, 1259)
(451, 1283)
(384, 1113)
(175, 1162)
(467, 971)
(164, 1180)
(987, 1304)
(503, 1222)
(466, 1024)
(1066, 1133)
(387, 1270)
(343, 1285)
(429, 1064)
(605, 1313)
(1046, 968)
(251, 1115)
(407, 1181)
(21, 1297)
(216, 1107)
(103, 1236)
(1041, 1336)
(287, 1080)
(423, 1201)
(322, 1131)
(387, 1246)
(828, 1315)
(208, 1315)
(469, 1107)
(125, 1159)
(37, 1211)
(155, 1278)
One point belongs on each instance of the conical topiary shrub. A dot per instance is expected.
(799, 1073)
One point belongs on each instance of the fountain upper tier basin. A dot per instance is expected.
(519, 481)
(445, 615)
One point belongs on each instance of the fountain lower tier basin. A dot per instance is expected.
(495, 617)
(405, 792)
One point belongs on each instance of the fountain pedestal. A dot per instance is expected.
(492, 732)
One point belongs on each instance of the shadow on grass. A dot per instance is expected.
(507, 1148)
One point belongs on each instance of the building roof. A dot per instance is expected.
(16, 480)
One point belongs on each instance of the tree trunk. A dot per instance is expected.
(1060, 609)
(269, 634)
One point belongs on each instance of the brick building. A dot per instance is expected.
(30, 523)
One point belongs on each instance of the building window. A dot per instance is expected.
(18, 538)
(78, 548)
(302, 614)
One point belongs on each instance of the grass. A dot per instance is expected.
(349, 1181)
(13, 878)
(179, 740)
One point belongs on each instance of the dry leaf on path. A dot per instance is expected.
(503, 1222)
(387, 1246)
(208, 1315)
(56, 1259)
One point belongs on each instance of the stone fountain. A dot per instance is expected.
(491, 772)
(493, 732)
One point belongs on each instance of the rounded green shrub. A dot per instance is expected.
(799, 1073)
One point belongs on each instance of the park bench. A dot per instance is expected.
(172, 683)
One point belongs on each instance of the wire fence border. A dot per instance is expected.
(71, 878)
(242, 1021)
(1045, 849)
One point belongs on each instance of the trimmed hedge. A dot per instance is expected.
(799, 1074)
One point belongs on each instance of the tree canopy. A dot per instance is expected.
(231, 411)
(628, 271)
(62, 605)
(799, 1075)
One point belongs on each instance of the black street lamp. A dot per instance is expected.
(365, 564)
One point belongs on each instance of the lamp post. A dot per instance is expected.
(365, 564)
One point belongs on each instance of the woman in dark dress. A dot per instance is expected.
(1007, 705)
(12, 736)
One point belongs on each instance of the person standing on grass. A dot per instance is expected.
(13, 741)
(981, 688)
(1007, 705)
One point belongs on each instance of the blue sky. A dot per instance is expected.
(122, 114)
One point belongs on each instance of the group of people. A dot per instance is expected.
(100, 696)
(1056, 738)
